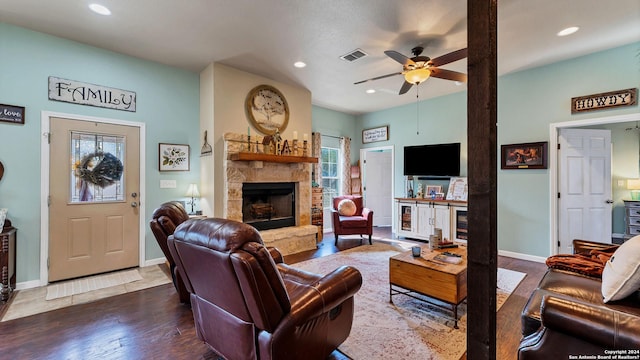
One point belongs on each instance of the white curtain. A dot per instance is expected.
(345, 150)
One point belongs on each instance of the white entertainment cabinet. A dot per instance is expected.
(417, 218)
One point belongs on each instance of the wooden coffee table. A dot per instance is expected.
(424, 278)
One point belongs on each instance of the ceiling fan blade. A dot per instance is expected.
(449, 58)
(448, 74)
(405, 87)
(399, 57)
(377, 78)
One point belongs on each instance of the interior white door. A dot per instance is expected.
(377, 173)
(584, 175)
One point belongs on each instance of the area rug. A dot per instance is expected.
(90, 283)
(408, 328)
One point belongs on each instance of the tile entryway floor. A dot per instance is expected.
(32, 301)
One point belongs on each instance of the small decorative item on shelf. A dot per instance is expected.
(419, 191)
(305, 153)
(295, 147)
(286, 150)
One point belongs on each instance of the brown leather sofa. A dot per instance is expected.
(164, 221)
(248, 304)
(361, 223)
(565, 316)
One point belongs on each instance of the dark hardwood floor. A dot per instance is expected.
(152, 324)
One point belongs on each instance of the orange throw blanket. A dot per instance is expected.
(589, 265)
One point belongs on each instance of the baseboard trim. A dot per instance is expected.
(157, 261)
(521, 256)
(28, 285)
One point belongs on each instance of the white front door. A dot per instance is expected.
(584, 176)
(377, 187)
(94, 193)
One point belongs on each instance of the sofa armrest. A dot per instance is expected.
(584, 247)
(325, 294)
(591, 323)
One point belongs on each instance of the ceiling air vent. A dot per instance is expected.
(353, 55)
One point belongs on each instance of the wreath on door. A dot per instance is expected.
(99, 168)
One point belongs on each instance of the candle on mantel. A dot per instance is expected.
(295, 135)
(304, 137)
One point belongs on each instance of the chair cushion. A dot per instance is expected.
(621, 274)
(346, 207)
(353, 221)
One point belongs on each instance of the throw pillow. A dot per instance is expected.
(621, 274)
(346, 207)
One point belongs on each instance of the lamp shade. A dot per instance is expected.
(633, 184)
(417, 76)
(192, 191)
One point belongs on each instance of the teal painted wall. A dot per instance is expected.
(167, 102)
(336, 123)
(528, 102)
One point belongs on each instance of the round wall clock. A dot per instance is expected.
(267, 109)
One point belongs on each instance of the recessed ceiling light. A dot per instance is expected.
(299, 64)
(568, 31)
(100, 9)
(370, 91)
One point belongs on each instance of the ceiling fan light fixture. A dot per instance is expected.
(100, 9)
(417, 76)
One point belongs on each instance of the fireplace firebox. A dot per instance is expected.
(269, 205)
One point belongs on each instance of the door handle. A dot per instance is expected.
(134, 204)
(134, 195)
(609, 201)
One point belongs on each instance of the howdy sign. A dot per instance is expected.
(626, 97)
(77, 92)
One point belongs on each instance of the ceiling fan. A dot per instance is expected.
(419, 68)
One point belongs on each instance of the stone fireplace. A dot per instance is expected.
(240, 173)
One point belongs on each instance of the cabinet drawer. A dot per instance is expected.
(633, 230)
(634, 211)
(633, 221)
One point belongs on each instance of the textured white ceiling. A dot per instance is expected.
(267, 37)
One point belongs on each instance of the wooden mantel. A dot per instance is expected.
(246, 156)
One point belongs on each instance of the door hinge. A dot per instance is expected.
(48, 135)
(558, 243)
(558, 146)
(48, 262)
(558, 195)
(49, 201)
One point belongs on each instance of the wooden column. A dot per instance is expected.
(482, 160)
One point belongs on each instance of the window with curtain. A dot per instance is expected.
(330, 163)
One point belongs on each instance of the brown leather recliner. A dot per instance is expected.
(248, 305)
(361, 223)
(164, 221)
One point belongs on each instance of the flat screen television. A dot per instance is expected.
(438, 160)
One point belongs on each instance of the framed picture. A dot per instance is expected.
(173, 157)
(376, 134)
(12, 114)
(524, 156)
(267, 109)
(432, 191)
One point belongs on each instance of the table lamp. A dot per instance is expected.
(193, 193)
(634, 186)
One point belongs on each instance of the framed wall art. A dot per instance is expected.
(376, 134)
(524, 156)
(12, 114)
(173, 157)
(267, 109)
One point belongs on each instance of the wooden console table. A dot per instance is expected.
(7, 260)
